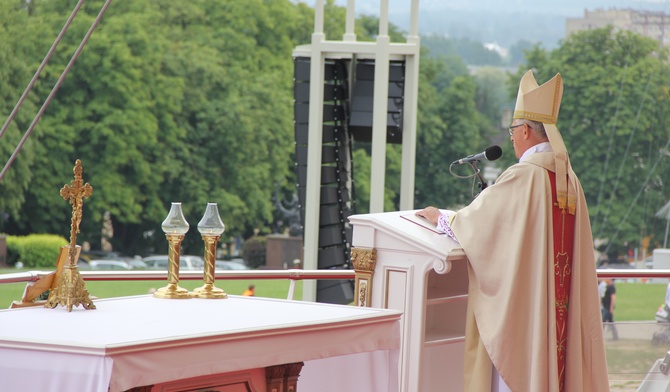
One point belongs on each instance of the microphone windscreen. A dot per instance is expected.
(493, 152)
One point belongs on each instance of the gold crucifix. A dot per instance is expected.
(70, 288)
(76, 192)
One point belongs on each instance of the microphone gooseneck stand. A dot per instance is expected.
(482, 182)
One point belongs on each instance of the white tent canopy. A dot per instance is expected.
(664, 213)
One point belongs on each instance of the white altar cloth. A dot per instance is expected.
(135, 341)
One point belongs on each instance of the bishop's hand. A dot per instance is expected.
(431, 214)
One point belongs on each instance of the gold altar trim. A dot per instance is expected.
(283, 378)
(364, 261)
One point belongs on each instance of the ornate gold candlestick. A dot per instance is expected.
(70, 288)
(211, 227)
(175, 227)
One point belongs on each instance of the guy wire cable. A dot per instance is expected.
(625, 155)
(54, 89)
(601, 224)
(611, 140)
(41, 67)
(637, 196)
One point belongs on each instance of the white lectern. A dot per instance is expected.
(423, 274)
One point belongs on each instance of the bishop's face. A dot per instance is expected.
(516, 132)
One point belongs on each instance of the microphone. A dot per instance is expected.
(490, 154)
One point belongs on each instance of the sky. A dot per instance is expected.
(493, 21)
(563, 7)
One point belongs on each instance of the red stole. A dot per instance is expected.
(564, 233)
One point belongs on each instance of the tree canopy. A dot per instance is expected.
(169, 101)
(613, 114)
(449, 125)
(192, 101)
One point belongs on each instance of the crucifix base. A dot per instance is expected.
(70, 291)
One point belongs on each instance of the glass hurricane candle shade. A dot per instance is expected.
(175, 223)
(211, 223)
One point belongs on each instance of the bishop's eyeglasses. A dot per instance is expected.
(511, 128)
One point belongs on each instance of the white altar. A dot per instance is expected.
(169, 345)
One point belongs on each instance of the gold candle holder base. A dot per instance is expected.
(209, 292)
(172, 291)
(71, 291)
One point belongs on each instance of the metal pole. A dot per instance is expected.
(349, 34)
(314, 146)
(409, 116)
(380, 113)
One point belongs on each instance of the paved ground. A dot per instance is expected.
(641, 330)
(631, 357)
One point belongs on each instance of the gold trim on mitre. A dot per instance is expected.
(542, 103)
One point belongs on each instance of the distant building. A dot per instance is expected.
(652, 24)
(494, 47)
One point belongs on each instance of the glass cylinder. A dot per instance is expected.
(175, 223)
(211, 223)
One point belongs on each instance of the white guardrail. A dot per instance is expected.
(291, 274)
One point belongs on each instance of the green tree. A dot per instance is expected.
(367, 28)
(448, 125)
(17, 58)
(113, 112)
(492, 95)
(169, 101)
(191, 101)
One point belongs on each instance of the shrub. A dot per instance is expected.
(253, 252)
(35, 250)
(14, 245)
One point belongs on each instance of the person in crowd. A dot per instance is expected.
(250, 291)
(602, 287)
(533, 319)
(609, 302)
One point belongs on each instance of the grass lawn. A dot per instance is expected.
(634, 301)
(638, 301)
(264, 288)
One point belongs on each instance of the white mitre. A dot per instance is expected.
(542, 103)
